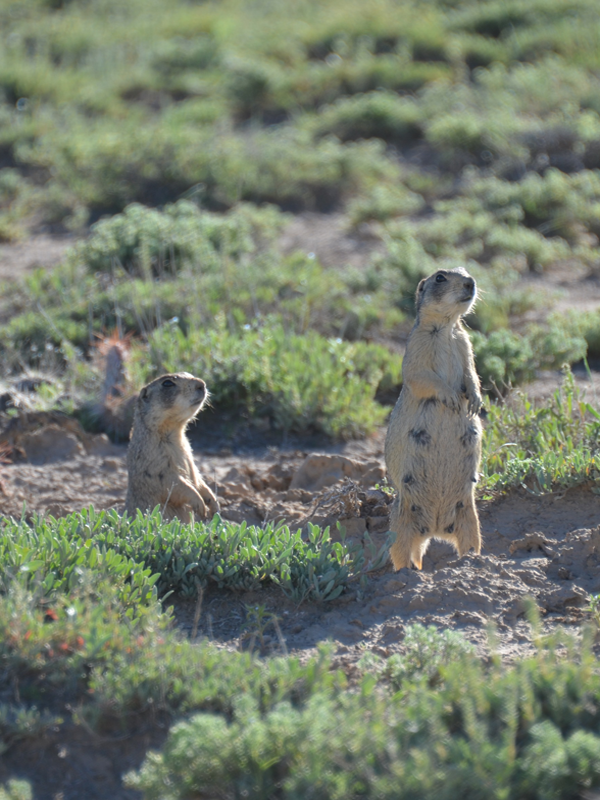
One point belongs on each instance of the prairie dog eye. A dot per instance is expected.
(168, 383)
(440, 279)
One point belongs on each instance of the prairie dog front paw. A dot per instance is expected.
(451, 400)
(474, 402)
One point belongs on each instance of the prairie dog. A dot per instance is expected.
(159, 460)
(433, 443)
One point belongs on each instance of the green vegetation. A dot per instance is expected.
(453, 133)
(526, 730)
(209, 294)
(427, 651)
(146, 558)
(80, 624)
(301, 382)
(157, 100)
(16, 790)
(85, 648)
(551, 446)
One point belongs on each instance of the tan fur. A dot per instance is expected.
(159, 460)
(433, 444)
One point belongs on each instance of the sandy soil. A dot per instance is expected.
(331, 239)
(19, 258)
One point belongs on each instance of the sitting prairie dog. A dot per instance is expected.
(433, 443)
(159, 460)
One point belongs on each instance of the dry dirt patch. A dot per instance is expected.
(43, 250)
(72, 763)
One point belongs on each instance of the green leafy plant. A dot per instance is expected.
(145, 557)
(426, 651)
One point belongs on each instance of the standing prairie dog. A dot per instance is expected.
(159, 460)
(433, 443)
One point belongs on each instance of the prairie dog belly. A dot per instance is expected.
(435, 469)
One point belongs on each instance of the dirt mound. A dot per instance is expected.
(320, 470)
(52, 466)
(547, 548)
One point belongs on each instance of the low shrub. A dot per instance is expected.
(585, 324)
(144, 556)
(374, 115)
(383, 203)
(32, 334)
(470, 132)
(504, 358)
(80, 648)
(521, 731)
(538, 250)
(461, 229)
(152, 163)
(147, 242)
(426, 652)
(552, 203)
(16, 790)
(301, 382)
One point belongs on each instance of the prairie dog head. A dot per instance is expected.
(445, 296)
(171, 400)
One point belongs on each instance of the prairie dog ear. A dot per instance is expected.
(419, 294)
(144, 394)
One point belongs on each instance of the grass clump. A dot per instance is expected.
(544, 448)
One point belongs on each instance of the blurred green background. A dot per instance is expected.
(179, 142)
